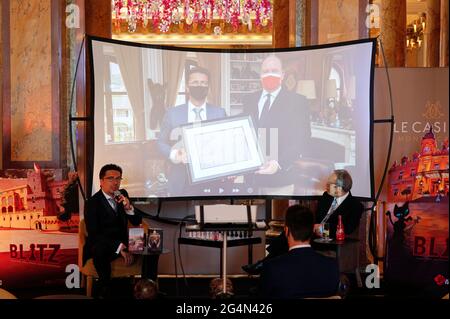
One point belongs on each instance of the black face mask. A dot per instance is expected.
(198, 92)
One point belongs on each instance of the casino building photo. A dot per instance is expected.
(224, 149)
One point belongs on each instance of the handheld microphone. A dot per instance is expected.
(117, 195)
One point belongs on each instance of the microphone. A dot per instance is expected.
(117, 195)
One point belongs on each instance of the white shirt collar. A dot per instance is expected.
(339, 200)
(273, 95)
(106, 195)
(262, 99)
(300, 246)
(191, 113)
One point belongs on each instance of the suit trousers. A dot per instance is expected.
(103, 254)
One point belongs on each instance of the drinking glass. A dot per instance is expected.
(325, 230)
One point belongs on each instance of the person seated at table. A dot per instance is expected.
(337, 200)
(302, 272)
(107, 214)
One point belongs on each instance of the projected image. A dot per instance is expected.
(309, 111)
(222, 148)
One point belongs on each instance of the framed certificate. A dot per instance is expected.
(226, 147)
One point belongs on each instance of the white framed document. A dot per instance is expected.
(226, 147)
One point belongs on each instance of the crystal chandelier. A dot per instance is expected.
(179, 16)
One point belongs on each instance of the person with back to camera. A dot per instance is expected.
(195, 110)
(107, 214)
(302, 272)
(337, 200)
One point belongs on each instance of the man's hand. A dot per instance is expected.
(178, 156)
(125, 201)
(317, 230)
(128, 258)
(269, 168)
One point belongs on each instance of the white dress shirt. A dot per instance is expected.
(128, 212)
(191, 112)
(339, 201)
(262, 99)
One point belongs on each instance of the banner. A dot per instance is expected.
(38, 227)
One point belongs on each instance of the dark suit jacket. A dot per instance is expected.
(174, 118)
(105, 225)
(289, 113)
(300, 273)
(351, 210)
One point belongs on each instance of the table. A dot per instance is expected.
(148, 256)
(249, 241)
(339, 247)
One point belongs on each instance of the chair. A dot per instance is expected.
(118, 267)
(6, 295)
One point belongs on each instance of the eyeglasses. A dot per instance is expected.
(112, 178)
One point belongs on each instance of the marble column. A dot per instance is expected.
(443, 50)
(393, 31)
(432, 33)
(33, 97)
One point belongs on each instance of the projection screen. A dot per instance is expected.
(274, 123)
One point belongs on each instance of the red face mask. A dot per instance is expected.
(271, 82)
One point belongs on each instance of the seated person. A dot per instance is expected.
(107, 215)
(337, 200)
(301, 272)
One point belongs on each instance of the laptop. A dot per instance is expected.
(220, 215)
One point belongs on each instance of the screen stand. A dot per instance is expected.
(224, 263)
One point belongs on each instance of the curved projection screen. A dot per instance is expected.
(242, 143)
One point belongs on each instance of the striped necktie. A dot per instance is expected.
(265, 110)
(113, 204)
(197, 111)
(333, 207)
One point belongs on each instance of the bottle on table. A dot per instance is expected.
(340, 234)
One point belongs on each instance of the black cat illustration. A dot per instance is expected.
(402, 227)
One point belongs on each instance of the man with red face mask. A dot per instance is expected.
(275, 110)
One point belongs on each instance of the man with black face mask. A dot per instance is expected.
(195, 110)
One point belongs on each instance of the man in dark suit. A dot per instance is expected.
(107, 214)
(337, 200)
(301, 272)
(277, 110)
(195, 110)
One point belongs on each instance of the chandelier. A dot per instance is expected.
(415, 32)
(180, 16)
